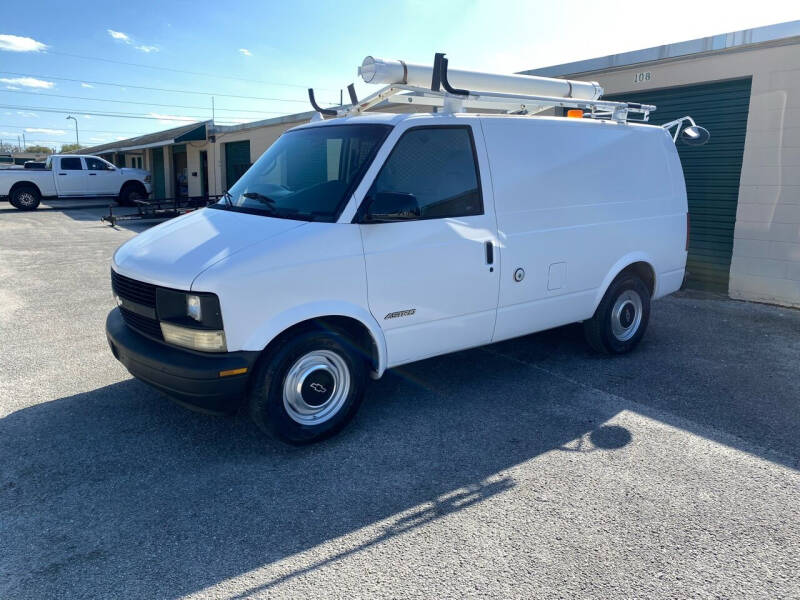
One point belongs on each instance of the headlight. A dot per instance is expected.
(191, 320)
(196, 339)
(194, 308)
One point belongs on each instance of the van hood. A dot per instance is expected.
(174, 253)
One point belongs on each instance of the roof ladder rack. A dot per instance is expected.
(407, 85)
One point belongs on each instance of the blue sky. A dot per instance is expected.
(272, 51)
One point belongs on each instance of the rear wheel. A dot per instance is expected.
(621, 318)
(25, 198)
(130, 194)
(308, 388)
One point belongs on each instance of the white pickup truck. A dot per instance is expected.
(73, 176)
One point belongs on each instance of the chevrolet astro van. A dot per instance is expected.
(354, 245)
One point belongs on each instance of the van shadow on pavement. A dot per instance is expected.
(118, 489)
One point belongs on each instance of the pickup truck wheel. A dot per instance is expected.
(130, 194)
(25, 198)
(308, 388)
(621, 318)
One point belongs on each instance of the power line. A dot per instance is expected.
(187, 118)
(267, 112)
(142, 87)
(130, 133)
(172, 70)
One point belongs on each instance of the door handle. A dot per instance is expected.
(489, 253)
(62, 173)
(92, 174)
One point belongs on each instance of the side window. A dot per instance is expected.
(71, 164)
(437, 166)
(95, 164)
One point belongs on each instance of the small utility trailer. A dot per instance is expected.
(159, 210)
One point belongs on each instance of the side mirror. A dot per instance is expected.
(391, 207)
(694, 135)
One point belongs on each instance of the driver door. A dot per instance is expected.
(432, 276)
(101, 178)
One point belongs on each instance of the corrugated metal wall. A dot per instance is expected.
(712, 171)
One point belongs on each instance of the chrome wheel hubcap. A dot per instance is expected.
(316, 387)
(26, 199)
(626, 315)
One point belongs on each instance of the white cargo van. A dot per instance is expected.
(366, 241)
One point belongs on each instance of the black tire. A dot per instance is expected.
(621, 317)
(130, 193)
(26, 197)
(278, 417)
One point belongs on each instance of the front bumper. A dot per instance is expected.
(191, 378)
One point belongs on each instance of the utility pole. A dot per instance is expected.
(24, 143)
(77, 142)
(19, 144)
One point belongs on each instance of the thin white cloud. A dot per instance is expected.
(24, 113)
(87, 116)
(86, 85)
(29, 82)
(97, 139)
(118, 35)
(147, 49)
(18, 43)
(245, 52)
(45, 130)
(12, 88)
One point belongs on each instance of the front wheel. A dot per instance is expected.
(25, 198)
(621, 318)
(130, 194)
(308, 388)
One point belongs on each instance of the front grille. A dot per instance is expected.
(142, 324)
(141, 293)
(136, 291)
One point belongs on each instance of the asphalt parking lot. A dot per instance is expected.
(531, 468)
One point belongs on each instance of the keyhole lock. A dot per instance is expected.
(519, 275)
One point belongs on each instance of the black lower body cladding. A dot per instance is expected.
(191, 378)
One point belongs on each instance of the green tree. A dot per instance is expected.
(37, 149)
(71, 148)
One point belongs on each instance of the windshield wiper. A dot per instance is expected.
(228, 198)
(259, 197)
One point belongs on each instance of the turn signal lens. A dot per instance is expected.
(575, 113)
(196, 339)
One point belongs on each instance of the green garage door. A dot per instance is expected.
(237, 161)
(711, 171)
(157, 171)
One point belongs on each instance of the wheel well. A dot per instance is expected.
(20, 184)
(133, 184)
(355, 331)
(644, 271)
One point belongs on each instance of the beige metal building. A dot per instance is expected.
(744, 186)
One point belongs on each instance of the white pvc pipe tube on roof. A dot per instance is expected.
(388, 72)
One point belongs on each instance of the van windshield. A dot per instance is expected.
(307, 174)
